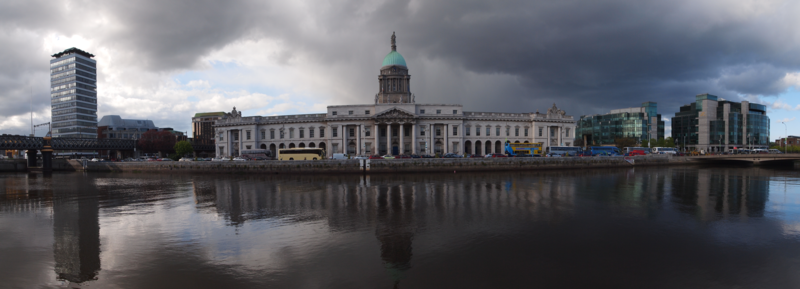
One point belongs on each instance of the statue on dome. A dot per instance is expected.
(394, 42)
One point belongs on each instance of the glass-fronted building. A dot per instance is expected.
(73, 94)
(641, 123)
(717, 125)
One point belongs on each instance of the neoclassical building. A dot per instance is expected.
(394, 124)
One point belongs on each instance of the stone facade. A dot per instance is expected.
(394, 124)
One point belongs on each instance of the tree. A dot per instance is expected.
(154, 141)
(623, 142)
(182, 148)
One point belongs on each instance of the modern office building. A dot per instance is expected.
(394, 124)
(716, 125)
(641, 123)
(203, 127)
(113, 126)
(73, 94)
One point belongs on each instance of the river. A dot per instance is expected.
(656, 227)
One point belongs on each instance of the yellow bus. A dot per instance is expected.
(304, 154)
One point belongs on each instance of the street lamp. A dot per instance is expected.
(786, 132)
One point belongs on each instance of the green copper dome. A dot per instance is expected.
(394, 58)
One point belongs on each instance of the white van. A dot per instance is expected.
(340, 157)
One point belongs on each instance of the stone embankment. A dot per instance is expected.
(375, 166)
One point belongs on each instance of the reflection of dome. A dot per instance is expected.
(394, 58)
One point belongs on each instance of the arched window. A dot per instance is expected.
(291, 145)
(302, 145)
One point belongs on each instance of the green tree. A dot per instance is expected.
(622, 142)
(182, 148)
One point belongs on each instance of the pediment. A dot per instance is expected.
(395, 113)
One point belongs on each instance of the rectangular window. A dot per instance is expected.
(497, 132)
(310, 133)
(488, 131)
(335, 132)
(567, 131)
(421, 111)
(469, 130)
(395, 132)
(438, 111)
(507, 134)
(366, 112)
(352, 132)
(455, 130)
(291, 133)
(333, 112)
(438, 132)
(350, 112)
(455, 111)
(322, 132)
(516, 131)
(552, 132)
(282, 134)
(383, 132)
(302, 133)
(422, 130)
(407, 131)
(272, 134)
(366, 132)
(221, 138)
(248, 134)
(477, 131)
(247, 147)
(526, 131)
(540, 131)
(236, 135)
(263, 135)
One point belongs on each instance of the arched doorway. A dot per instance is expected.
(488, 148)
(282, 146)
(395, 148)
(478, 147)
(322, 146)
(291, 145)
(516, 141)
(311, 145)
(497, 146)
(468, 147)
(526, 141)
(272, 151)
(302, 145)
(263, 146)
(351, 148)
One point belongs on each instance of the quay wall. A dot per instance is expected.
(378, 166)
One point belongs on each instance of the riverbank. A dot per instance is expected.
(375, 166)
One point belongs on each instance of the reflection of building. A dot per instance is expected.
(76, 234)
(202, 127)
(720, 125)
(710, 194)
(640, 123)
(73, 94)
(394, 124)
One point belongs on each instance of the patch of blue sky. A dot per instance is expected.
(791, 116)
(222, 76)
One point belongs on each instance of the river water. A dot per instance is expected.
(667, 227)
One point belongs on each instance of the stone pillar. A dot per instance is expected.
(445, 129)
(47, 160)
(376, 144)
(389, 139)
(401, 130)
(413, 138)
(431, 135)
(31, 158)
(358, 139)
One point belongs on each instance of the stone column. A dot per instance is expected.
(389, 139)
(431, 135)
(413, 138)
(344, 139)
(445, 129)
(229, 133)
(401, 130)
(358, 139)
(376, 144)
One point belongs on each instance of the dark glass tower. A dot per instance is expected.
(73, 94)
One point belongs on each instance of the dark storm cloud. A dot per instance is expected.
(588, 56)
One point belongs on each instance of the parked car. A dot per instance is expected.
(186, 160)
(388, 157)
(415, 156)
(92, 160)
(165, 159)
(239, 159)
(452, 156)
(375, 157)
(426, 156)
(636, 153)
(360, 157)
(475, 156)
(403, 157)
(496, 156)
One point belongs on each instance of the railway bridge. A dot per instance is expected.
(755, 159)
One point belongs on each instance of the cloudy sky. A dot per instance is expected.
(167, 60)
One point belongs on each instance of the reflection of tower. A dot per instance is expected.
(394, 230)
(76, 233)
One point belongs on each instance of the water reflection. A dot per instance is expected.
(416, 224)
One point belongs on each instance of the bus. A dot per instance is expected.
(512, 149)
(257, 154)
(630, 149)
(604, 151)
(564, 151)
(301, 154)
(665, 151)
